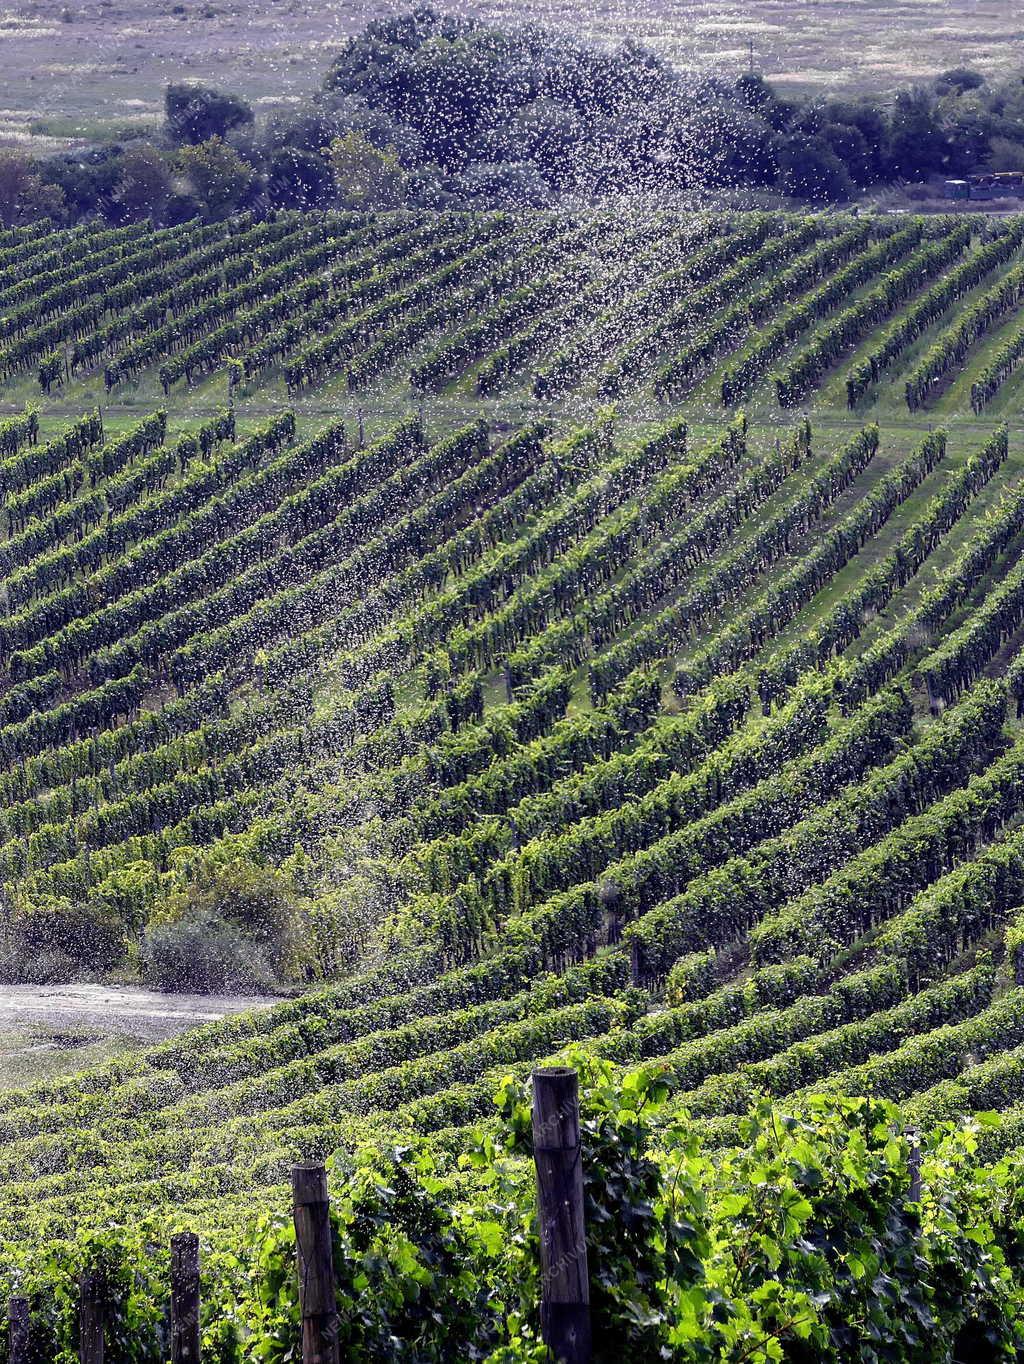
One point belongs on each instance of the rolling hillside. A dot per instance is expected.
(617, 621)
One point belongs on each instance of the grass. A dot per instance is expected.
(36, 1052)
(70, 128)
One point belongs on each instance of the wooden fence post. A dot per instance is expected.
(17, 1330)
(914, 1167)
(936, 701)
(317, 1300)
(91, 1317)
(565, 1289)
(185, 1298)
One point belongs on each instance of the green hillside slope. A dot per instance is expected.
(609, 629)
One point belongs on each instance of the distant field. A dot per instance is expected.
(72, 71)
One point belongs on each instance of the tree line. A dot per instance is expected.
(434, 111)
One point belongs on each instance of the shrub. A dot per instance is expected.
(200, 954)
(49, 938)
(234, 925)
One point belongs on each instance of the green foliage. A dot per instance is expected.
(366, 176)
(132, 1270)
(219, 177)
(281, 710)
(25, 197)
(803, 1242)
(407, 1266)
(196, 113)
(809, 1240)
(806, 1241)
(234, 925)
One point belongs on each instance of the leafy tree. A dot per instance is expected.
(968, 131)
(918, 143)
(181, 208)
(437, 111)
(338, 113)
(24, 195)
(508, 183)
(728, 148)
(195, 113)
(755, 92)
(1005, 154)
(544, 131)
(199, 954)
(218, 177)
(16, 175)
(871, 156)
(299, 179)
(366, 176)
(144, 185)
(850, 148)
(87, 180)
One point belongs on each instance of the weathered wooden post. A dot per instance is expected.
(92, 1305)
(317, 1301)
(185, 1298)
(914, 1167)
(610, 897)
(565, 1288)
(17, 1330)
(636, 971)
(936, 701)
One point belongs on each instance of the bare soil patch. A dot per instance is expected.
(51, 1030)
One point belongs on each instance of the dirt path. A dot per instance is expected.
(115, 1009)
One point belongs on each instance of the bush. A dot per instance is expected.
(235, 925)
(51, 939)
(201, 954)
(196, 113)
